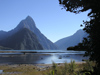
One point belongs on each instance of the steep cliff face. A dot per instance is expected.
(2, 34)
(30, 24)
(22, 40)
(71, 40)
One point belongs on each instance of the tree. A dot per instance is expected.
(92, 27)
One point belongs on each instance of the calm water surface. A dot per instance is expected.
(41, 56)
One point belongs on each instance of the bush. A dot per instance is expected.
(88, 66)
(72, 66)
(72, 69)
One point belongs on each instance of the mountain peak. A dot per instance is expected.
(28, 22)
(29, 18)
(73, 40)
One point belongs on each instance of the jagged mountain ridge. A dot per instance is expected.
(71, 40)
(30, 24)
(24, 39)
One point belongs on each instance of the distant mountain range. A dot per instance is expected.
(73, 40)
(26, 36)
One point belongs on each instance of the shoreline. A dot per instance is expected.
(40, 65)
(59, 64)
(22, 68)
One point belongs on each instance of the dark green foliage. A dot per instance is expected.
(79, 47)
(65, 70)
(88, 66)
(22, 40)
(77, 6)
(72, 69)
(54, 67)
(92, 27)
(72, 66)
(70, 48)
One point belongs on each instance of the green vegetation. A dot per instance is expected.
(56, 69)
(79, 47)
(71, 69)
(19, 70)
(91, 43)
(71, 48)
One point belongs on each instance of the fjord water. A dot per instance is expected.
(41, 56)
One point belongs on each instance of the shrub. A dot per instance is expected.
(72, 66)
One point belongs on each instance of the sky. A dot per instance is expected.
(49, 18)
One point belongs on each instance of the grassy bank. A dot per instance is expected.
(54, 69)
(72, 68)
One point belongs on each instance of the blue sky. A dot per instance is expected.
(53, 22)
